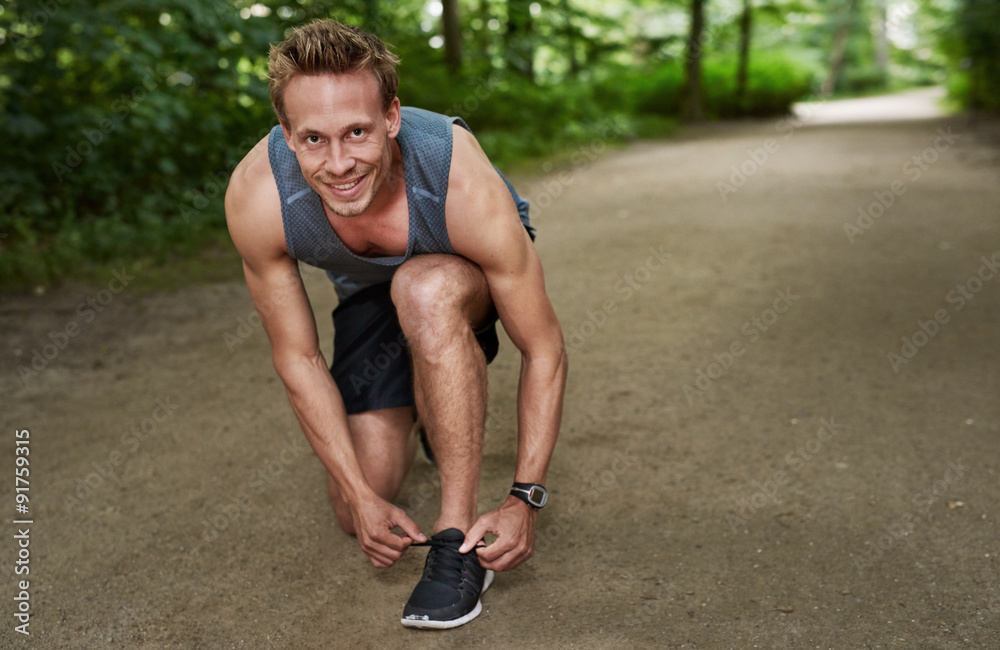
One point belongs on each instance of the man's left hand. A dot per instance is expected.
(513, 523)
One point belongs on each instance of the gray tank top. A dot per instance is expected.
(425, 140)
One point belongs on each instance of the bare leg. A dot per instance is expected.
(439, 298)
(385, 448)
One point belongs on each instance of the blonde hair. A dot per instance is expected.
(329, 47)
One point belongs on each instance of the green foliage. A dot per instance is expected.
(775, 83)
(122, 119)
(977, 35)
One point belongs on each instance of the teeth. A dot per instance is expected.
(346, 187)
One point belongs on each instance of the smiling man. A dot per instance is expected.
(427, 246)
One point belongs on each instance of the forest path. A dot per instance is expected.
(780, 428)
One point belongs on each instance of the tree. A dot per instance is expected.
(571, 38)
(520, 50)
(839, 47)
(744, 61)
(452, 36)
(691, 109)
(879, 15)
(979, 34)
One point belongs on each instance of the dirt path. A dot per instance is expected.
(742, 464)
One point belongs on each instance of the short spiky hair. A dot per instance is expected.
(329, 47)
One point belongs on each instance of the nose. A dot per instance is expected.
(338, 161)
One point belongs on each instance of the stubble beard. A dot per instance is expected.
(348, 208)
(360, 205)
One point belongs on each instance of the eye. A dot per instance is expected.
(312, 139)
(357, 133)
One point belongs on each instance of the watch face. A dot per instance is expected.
(537, 496)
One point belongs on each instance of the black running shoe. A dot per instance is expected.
(448, 592)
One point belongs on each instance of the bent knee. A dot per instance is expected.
(437, 293)
(428, 282)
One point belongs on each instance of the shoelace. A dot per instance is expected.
(444, 567)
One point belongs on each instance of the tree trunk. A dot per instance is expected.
(452, 37)
(744, 63)
(879, 20)
(839, 48)
(691, 98)
(520, 52)
(574, 63)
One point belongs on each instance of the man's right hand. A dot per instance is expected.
(374, 520)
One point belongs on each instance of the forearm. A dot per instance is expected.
(539, 409)
(320, 410)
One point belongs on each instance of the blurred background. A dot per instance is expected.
(122, 120)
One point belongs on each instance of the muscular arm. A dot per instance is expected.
(253, 213)
(485, 228)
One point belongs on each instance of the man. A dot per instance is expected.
(427, 245)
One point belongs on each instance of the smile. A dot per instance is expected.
(346, 186)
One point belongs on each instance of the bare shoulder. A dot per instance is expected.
(253, 208)
(483, 222)
(469, 163)
(476, 193)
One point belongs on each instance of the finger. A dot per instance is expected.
(410, 527)
(502, 562)
(381, 547)
(391, 542)
(381, 561)
(494, 551)
(505, 561)
(475, 535)
(378, 557)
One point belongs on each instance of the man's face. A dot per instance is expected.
(341, 137)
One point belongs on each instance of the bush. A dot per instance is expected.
(774, 84)
(126, 118)
(977, 39)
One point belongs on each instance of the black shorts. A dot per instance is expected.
(371, 358)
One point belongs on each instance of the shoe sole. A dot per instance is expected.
(455, 622)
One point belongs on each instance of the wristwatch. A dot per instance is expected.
(533, 494)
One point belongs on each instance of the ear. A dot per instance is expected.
(393, 118)
(287, 130)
